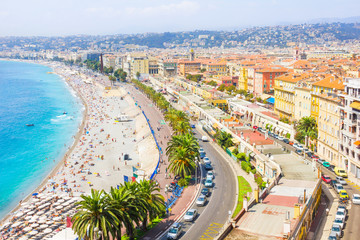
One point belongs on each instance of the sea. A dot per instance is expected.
(31, 94)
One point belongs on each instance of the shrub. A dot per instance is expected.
(241, 156)
(288, 135)
(253, 171)
(244, 165)
(248, 169)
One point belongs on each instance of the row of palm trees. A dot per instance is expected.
(131, 205)
(183, 148)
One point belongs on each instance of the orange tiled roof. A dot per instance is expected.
(330, 82)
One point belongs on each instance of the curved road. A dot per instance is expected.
(215, 213)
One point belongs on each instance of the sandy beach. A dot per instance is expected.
(96, 159)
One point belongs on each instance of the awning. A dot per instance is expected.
(238, 113)
(357, 143)
(271, 100)
(355, 105)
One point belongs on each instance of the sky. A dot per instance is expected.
(99, 17)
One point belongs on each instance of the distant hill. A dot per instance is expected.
(355, 19)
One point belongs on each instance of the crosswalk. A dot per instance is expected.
(352, 184)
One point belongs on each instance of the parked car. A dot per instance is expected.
(190, 215)
(175, 231)
(356, 199)
(333, 183)
(208, 182)
(205, 192)
(255, 127)
(276, 136)
(202, 153)
(343, 208)
(331, 168)
(309, 154)
(340, 222)
(298, 151)
(333, 236)
(326, 178)
(208, 166)
(285, 140)
(315, 157)
(280, 138)
(339, 187)
(343, 195)
(320, 161)
(326, 164)
(201, 200)
(340, 180)
(291, 143)
(336, 229)
(340, 172)
(210, 174)
(340, 213)
(206, 160)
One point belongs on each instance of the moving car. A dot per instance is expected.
(340, 172)
(356, 199)
(339, 187)
(201, 200)
(326, 178)
(190, 215)
(208, 166)
(204, 139)
(340, 180)
(175, 231)
(206, 160)
(340, 222)
(208, 182)
(205, 192)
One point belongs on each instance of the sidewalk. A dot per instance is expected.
(163, 135)
(324, 234)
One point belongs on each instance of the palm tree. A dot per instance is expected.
(181, 162)
(136, 208)
(224, 139)
(155, 203)
(307, 126)
(95, 212)
(123, 201)
(182, 127)
(181, 116)
(186, 141)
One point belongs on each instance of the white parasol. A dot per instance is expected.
(33, 232)
(57, 218)
(28, 228)
(59, 207)
(43, 226)
(34, 225)
(16, 224)
(48, 230)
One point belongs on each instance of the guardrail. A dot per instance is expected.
(157, 145)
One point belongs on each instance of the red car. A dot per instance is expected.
(255, 127)
(326, 178)
(291, 143)
(315, 157)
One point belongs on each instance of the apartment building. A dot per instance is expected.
(284, 93)
(188, 66)
(349, 142)
(264, 79)
(241, 72)
(302, 100)
(139, 63)
(329, 127)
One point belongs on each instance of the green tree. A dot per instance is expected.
(95, 212)
(182, 127)
(137, 75)
(221, 88)
(112, 79)
(307, 127)
(224, 139)
(203, 70)
(155, 204)
(181, 162)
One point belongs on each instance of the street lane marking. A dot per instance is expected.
(211, 231)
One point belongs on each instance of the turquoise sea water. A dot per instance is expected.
(29, 95)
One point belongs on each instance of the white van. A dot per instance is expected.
(204, 139)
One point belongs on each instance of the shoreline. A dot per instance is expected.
(67, 153)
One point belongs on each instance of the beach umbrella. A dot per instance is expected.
(49, 222)
(35, 194)
(43, 226)
(28, 217)
(30, 213)
(7, 224)
(66, 203)
(57, 218)
(41, 221)
(26, 211)
(58, 207)
(23, 238)
(34, 225)
(33, 232)
(28, 228)
(36, 200)
(19, 214)
(40, 212)
(67, 198)
(16, 224)
(24, 204)
(48, 230)
(32, 220)
(61, 201)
